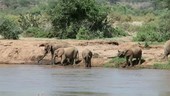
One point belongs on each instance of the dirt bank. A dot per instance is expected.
(27, 51)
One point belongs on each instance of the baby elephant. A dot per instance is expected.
(70, 54)
(87, 55)
(135, 52)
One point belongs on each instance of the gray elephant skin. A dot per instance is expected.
(50, 48)
(69, 54)
(87, 56)
(166, 49)
(134, 52)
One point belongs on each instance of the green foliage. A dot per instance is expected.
(90, 19)
(29, 20)
(148, 32)
(164, 26)
(119, 32)
(8, 29)
(13, 4)
(83, 33)
(79, 17)
(129, 27)
(160, 4)
(146, 45)
(35, 32)
(123, 9)
(155, 30)
(116, 62)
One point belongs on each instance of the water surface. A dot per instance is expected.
(34, 80)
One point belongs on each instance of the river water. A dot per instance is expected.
(34, 80)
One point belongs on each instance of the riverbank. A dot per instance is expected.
(27, 50)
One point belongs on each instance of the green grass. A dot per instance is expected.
(161, 66)
(115, 62)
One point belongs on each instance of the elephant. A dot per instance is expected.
(70, 54)
(87, 56)
(50, 48)
(166, 49)
(134, 52)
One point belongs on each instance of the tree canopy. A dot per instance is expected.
(70, 17)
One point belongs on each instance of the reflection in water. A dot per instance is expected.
(27, 80)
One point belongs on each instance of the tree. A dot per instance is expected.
(70, 16)
(8, 29)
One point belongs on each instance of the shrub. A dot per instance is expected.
(129, 27)
(83, 34)
(164, 26)
(155, 30)
(118, 32)
(79, 18)
(35, 32)
(148, 32)
(8, 29)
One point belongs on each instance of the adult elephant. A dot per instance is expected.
(50, 48)
(69, 54)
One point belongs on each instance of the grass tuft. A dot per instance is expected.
(115, 62)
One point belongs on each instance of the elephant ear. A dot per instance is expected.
(47, 48)
(125, 52)
(60, 52)
(120, 53)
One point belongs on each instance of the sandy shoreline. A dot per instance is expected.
(27, 50)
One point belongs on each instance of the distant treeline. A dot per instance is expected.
(85, 19)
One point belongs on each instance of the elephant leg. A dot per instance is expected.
(90, 63)
(62, 62)
(83, 59)
(131, 63)
(63, 58)
(86, 64)
(140, 61)
(72, 61)
(52, 58)
(127, 61)
(42, 57)
(165, 56)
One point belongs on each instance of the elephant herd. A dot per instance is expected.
(70, 54)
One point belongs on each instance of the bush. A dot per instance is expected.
(119, 32)
(155, 30)
(8, 29)
(129, 27)
(35, 32)
(164, 26)
(81, 19)
(83, 34)
(148, 32)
